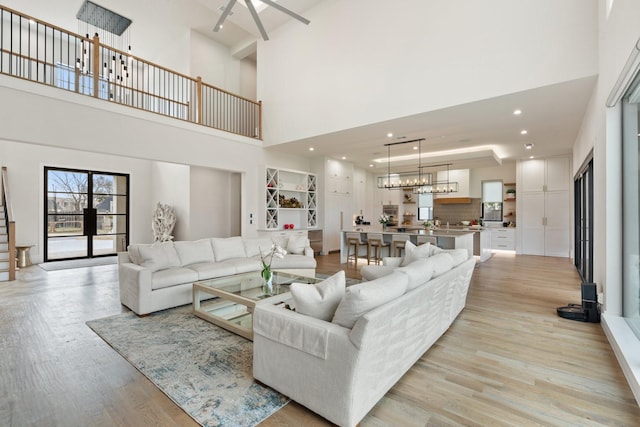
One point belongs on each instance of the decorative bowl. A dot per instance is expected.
(465, 222)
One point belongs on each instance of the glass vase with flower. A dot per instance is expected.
(266, 259)
(384, 220)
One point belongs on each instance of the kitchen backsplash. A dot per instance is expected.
(456, 213)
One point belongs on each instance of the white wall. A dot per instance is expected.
(214, 203)
(170, 186)
(506, 172)
(601, 131)
(214, 63)
(436, 54)
(25, 167)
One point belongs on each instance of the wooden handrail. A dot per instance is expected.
(233, 125)
(10, 224)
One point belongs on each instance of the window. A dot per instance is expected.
(631, 207)
(492, 201)
(425, 207)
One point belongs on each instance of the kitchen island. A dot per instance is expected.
(447, 239)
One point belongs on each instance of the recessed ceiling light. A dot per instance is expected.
(415, 147)
(343, 158)
(311, 148)
(531, 157)
(371, 166)
(523, 132)
(528, 146)
(517, 112)
(390, 135)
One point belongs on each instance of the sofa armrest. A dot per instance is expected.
(134, 282)
(392, 261)
(308, 251)
(304, 333)
(323, 383)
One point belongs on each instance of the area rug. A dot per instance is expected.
(78, 263)
(204, 369)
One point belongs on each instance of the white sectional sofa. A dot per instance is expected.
(341, 368)
(157, 276)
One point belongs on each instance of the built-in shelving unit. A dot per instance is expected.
(291, 198)
(509, 207)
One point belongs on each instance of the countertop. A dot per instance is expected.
(417, 231)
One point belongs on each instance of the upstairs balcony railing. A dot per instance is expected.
(40, 52)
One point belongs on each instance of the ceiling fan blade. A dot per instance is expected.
(256, 18)
(227, 11)
(287, 11)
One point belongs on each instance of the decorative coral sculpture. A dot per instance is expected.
(164, 219)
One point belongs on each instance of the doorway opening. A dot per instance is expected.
(86, 213)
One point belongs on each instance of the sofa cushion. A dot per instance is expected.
(294, 261)
(256, 246)
(171, 277)
(194, 252)
(296, 244)
(442, 263)
(159, 256)
(228, 248)
(363, 297)
(458, 256)
(244, 265)
(372, 272)
(413, 252)
(418, 272)
(212, 270)
(319, 300)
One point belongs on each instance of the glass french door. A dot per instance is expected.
(86, 213)
(583, 222)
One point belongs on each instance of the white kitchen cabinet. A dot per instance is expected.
(461, 176)
(544, 198)
(503, 239)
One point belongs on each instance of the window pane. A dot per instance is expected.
(630, 208)
(492, 191)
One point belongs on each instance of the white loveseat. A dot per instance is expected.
(341, 368)
(157, 276)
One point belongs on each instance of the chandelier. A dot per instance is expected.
(420, 181)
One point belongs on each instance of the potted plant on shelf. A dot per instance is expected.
(511, 193)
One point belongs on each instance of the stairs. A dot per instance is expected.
(5, 256)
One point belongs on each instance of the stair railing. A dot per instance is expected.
(10, 224)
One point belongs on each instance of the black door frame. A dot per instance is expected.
(89, 214)
(583, 221)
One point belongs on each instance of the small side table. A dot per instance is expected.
(22, 255)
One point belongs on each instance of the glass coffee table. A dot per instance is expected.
(237, 297)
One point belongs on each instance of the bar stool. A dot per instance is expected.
(354, 240)
(375, 241)
(427, 239)
(398, 241)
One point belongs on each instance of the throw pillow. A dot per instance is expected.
(319, 300)
(363, 297)
(297, 244)
(413, 252)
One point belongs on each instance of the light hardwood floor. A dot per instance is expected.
(507, 360)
